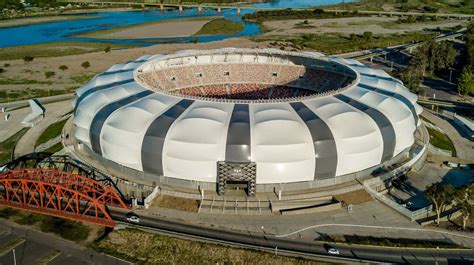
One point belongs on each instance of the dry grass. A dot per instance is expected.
(176, 203)
(146, 248)
(354, 197)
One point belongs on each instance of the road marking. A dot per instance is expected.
(376, 227)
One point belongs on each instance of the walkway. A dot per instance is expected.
(54, 111)
(464, 147)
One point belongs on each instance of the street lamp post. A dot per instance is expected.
(14, 257)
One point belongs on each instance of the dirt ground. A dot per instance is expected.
(169, 29)
(357, 25)
(176, 203)
(354, 197)
(99, 62)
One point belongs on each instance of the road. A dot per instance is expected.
(303, 248)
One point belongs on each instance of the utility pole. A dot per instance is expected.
(14, 257)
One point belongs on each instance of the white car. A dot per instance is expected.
(133, 219)
(333, 251)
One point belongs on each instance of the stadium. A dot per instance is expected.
(251, 118)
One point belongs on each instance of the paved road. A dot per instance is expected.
(305, 248)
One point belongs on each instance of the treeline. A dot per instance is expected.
(466, 79)
(430, 58)
(284, 14)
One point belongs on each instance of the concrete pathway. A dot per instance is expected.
(464, 147)
(54, 111)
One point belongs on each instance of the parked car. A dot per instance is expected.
(132, 217)
(333, 251)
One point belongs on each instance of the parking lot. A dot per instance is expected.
(28, 246)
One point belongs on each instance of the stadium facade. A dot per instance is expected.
(259, 117)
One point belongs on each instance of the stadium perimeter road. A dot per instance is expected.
(305, 248)
(38, 246)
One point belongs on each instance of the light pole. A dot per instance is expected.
(14, 257)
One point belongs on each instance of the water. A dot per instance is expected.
(66, 30)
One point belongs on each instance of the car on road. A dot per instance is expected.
(333, 251)
(132, 217)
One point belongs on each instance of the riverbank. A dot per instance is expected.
(169, 28)
(39, 20)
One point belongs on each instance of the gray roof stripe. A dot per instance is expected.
(98, 88)
(102, 115)
(403, 99)
(323, 140)
(153, 142)
(385, 127)
(238, 135)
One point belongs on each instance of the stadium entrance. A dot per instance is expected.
(236, 176)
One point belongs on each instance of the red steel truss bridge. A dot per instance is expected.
(61, 187)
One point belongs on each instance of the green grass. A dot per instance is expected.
(48, 258)
(55, 148)
(219, 27)
(103, 33)
(14, 95)
(83, 78)
(441, 140)
(67, 229)
(55, 49)
(334, 43)
(52, 131)
(7, 146)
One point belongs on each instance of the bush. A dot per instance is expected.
(107, 49)
(49, 74)
(63, 67)
(67, 229)
(28, 59)
(85, 64)
(6, 65)
(1, 70)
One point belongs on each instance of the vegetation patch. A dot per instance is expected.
(285, 14)
(220, 27)
(14, 95)
(176, 203)
(67, 229)
(51, 132)
(441, 140)
(16, 81)
(389, 242)
(353, 197)
(10, 246)
(55, 49)
(7, 146)
(83, 78)
(48, 258)
(145, 248)
(334, 43)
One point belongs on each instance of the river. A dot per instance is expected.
(68, 29)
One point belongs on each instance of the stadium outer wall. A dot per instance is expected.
(140, 176)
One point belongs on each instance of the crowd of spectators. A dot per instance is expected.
(244, 80)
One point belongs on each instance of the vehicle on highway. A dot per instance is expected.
(132, 217)
(333, 251)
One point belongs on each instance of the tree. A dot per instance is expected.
(353, 36)
(367, 35)
(49, 74)
(85, 64)
(412, 78)
(28, 59)
(464, 200)
(441, 196)
(466, 81)
(63, 67)
(107, 49)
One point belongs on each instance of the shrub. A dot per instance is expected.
(49, 74)
(6, 65)
(85, 64)
(1, 70)
(63, 67)
(28, 59)
(107, 49)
